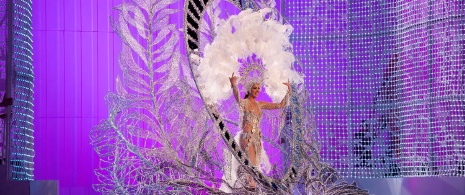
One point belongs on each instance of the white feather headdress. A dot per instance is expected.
(247, 37)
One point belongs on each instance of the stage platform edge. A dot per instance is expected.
(412, 185)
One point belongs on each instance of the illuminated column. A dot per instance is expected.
(3, 61)
(19, 86)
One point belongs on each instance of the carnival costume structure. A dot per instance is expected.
(173, 117)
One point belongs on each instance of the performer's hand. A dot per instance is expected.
(233, 79)
(288, 86)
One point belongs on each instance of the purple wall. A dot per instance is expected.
(75, 59)
(76, 64)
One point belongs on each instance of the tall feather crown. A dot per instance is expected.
(251, 72)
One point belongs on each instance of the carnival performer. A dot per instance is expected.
(250, 136)
(254, 46)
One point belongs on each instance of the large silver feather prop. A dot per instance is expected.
(157, 137)
(160, 137)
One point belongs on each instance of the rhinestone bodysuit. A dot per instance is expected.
(251, 132)
(251, 129)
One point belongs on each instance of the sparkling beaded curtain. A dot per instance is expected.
(386, 79)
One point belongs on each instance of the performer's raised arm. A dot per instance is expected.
(233, 80)
(272, 106)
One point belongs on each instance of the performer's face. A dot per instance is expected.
(255, 90)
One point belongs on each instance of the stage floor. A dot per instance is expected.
(413, 185)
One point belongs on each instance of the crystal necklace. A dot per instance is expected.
(252, 108)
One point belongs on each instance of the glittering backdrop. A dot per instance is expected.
(386, 78)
